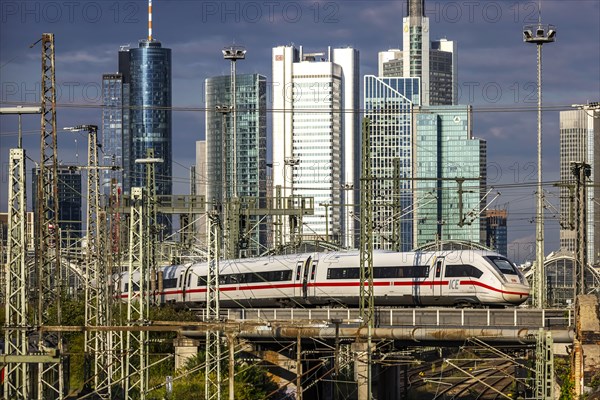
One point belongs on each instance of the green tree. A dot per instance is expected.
(251, 382)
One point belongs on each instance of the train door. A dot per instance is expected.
(438, 275)
(298, 273)
(302, 277)
(312, 279)
(181, 286)
(184, 284)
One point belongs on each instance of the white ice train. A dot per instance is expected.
(433, 278)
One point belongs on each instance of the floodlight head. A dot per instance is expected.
(223, 108)
(234, 53)
(543, 33)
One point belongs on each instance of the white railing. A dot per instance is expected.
(385, 317)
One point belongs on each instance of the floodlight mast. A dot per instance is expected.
(539, 34)
(234, 53)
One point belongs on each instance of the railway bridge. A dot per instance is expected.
(308, 350)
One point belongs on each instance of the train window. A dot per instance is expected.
(313, 271)
(459, 271)
(298, 270)
(267, 276)
(202, 281)
(343, 273)
(505, 266)
(416, 271)
(438, 269)
(126, 287)
(169, 283)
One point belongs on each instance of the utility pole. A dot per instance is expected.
(17, 376)
(212, 373)
(367, 306)
(136, 355)
(539, 34)
(581, 171)
(97, 298)
(151, 228)
(50, 379)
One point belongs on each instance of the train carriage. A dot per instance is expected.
(432, 278)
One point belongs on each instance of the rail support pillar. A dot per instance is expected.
(184, 350)
(361, 369)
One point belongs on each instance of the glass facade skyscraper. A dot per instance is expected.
(70, 199)
(149, 68)
(446, 153)
(434, 62)
(497, 234)
(112, 129)
(251, 146)
(388, 103)
(580, 141)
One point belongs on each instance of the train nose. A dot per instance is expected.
(515, 294)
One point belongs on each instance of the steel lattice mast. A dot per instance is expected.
(95, 277)
(50, 382)
(17, 375)
(212, 378)
(150, 208)
(367, 306)
(137, 301)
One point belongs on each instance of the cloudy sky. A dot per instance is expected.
(496, 70)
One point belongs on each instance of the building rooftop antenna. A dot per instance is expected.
(149, 20)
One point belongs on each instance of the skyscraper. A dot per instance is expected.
(69, 199)
(250, 147)
(113, 92)
(497, 235)
(149, 69)
(450, 173)
(433, 62)
(580, 142)
(137, 116)
(388, 104)
(316, 134)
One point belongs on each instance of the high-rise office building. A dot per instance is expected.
(450, 173)
(316, 136)
(114, 92)
(434, 62)
(580, 142)
(136, 117)
(249, 145)
(149, 74)
(70, 197)
(388, 104)
(201, 186)
(497, 234)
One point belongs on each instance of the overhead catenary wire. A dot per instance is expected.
(308, 110)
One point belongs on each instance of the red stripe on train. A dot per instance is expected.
(338, 284)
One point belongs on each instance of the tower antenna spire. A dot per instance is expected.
(149, 20)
